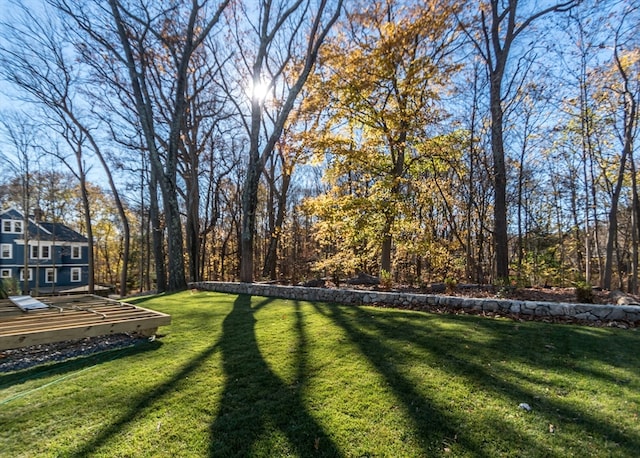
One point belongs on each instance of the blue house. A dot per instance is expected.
(57, 256)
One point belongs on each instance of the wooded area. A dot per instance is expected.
(286, 140)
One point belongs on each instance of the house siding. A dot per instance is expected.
(56, 242)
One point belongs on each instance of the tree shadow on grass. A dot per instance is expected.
(373, 334)
(435, 426)
(137, 408)
(75, 364)
(257, 405)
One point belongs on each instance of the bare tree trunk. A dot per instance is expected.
(499, 32)
(193, 223)
(500, 234)
(521, 178)
(596, 221)
(249, 206)
(587, 154)
(629, 124)
(317, 32)
(613, 222)
(635, 212)
(157, 234)
(26, 190)
(276, 220)
(387, 244)
(470, 265)
(122, 214)
(271, 259)
(87, 218)
(142, 227)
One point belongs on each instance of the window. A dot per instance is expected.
(22, 274)
(40, 252)
(76, 274)
(10, 226)
(50, 275)
(5, 273)
(6, 251)
(75, 252)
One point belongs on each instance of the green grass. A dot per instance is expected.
(251, 376)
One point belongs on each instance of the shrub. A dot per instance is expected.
(386, 280)
(584, 293)
(8, 287)
(450, 284)
(504, 287)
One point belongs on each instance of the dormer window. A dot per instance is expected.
(11, 226)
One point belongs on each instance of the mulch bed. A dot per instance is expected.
(24, 358)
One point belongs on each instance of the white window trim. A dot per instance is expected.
(38, 251)
(73, 248)
(2, 247)
(11, 229)
(49, 270)
(30, 274)
(77, 270)
(5, 273)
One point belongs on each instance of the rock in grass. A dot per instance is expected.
(525, 406)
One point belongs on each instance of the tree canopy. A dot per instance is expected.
(422, 141)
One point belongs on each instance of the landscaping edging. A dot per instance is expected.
(591, 313)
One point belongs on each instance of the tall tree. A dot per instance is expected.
(37, 59)
(386, 70)
(278, 46)
(278, 176)
(21, 133)
(205, 111)
(147, 40)
(626, 96)
(500, 24)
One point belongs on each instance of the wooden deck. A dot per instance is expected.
(74, 317)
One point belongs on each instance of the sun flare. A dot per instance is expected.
(259, 91)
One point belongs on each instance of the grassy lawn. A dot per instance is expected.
(251, 376)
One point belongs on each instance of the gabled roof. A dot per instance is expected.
(12, 213)
(58, 231)
(46, 231)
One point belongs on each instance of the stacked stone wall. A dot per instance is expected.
(594, 313)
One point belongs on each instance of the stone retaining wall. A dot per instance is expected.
(596, 314)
